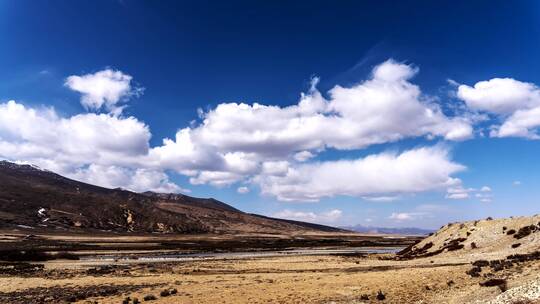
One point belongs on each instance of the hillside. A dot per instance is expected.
(32, 198)
(488, 238)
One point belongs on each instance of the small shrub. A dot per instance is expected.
(165, 293)
(510, 232)
(516, 245)
(149, 297)
(380, 295)
(474, 272)
(480, 263)
(501, 283)
(524, 231)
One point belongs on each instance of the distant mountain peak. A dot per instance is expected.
(388, 230)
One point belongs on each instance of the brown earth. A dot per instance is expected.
(491, 271)
(37, 200)
(288, 279)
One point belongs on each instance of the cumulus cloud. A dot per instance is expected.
(415, 170)
(236, 140)
(459, 193)
(269, 146)
(321, 217)
(242, 190)
(405, 216)
(103, 89)
(138, 180)
(27, 133)
(303, 156)
(95, 148)
(385, 108)
(523, 123)
(516, 103)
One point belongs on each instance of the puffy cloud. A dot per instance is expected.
(81, 139)
(405, 216)
(242, 190)
(516, 103)
(103, 89)
(415, 170)
(516, 183)
(236, 141)
(216, 178)
(523, 123)
(322, 217)
(459, 193)
(138, 180)
(303, 156)
(388, 108)
(385, 108)
(270, 146)
(95, 148)
(499, 95)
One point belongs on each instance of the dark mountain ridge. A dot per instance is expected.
(33, 198)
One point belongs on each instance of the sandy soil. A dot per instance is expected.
(473, 262)
(291, 279)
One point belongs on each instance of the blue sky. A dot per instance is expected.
(92, 88)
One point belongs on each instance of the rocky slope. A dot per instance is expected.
(32, 198)
(488, 238)
(502, 258)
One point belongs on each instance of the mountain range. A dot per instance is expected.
(36, 199)
(386, 230)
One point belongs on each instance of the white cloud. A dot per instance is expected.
(103, 89)
(382, 109)
(499, 95)
(516, 183)
(523, 123)
(242, 190)
(322, 217)
(417, 170)
(85, 138)
(405, 216)
(270, 146)
(460, 193)
(258, 142)
(516, 103)
(303, 156)
(138, 180)
(381, 198)
(216, 178)
(95, 148)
